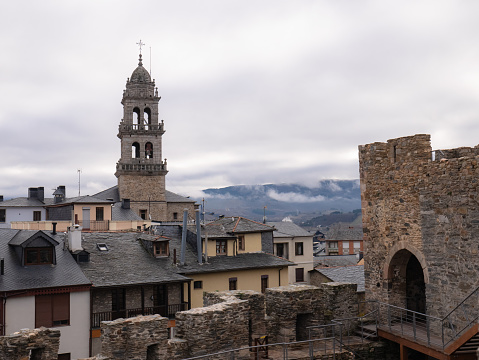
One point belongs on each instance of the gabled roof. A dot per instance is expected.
(24, 237)
(353, 274)
(66, 272)
(288, 229)
(229, 226)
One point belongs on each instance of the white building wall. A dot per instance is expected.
(74, 339)
(302, 261)
(20, 214)
(19, 314)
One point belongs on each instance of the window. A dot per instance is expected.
(102, 247)
(198, 285)
(299, 274)
(282, 250)
(241, 244)
(52, 310)
(118, 301)
(99, 214)
(143, 214)
(264, 283)
(332, 247)
(221, 247)
(39, 256)
(298, 248)
(37, 216)
(161, 248)
(2, 215)
(175, 216)
(233, 283)
(65, 356)
(357, 247)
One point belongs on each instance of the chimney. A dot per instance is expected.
(198, 237)
(32, 193)
(59, 194)
(54, 224)
(125, 203)
(41, 194)
(74, 238)
(183, 237)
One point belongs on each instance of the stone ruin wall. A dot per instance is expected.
(37, 344)
(229, 320)
(425, 202)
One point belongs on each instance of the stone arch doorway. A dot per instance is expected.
(406, 275)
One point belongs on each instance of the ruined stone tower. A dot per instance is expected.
(141, 170)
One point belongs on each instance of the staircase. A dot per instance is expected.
(457, 333)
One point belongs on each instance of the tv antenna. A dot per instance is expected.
(79, 172)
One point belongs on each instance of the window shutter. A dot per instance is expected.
(43, 311)
(61, 309)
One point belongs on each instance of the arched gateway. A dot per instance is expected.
(406, 274)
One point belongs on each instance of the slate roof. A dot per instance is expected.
(288, 229)
(25, 202)
(113, 193)
(347, 274)
(228, 226)
(341, 231)
(216, 263)
(66, 272)
(86, 199)
(126, 262)
(336, 260)
(120, 214)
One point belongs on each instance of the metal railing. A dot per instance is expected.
(166, 311)
(282, 350)
(459, 319)
(432, 330)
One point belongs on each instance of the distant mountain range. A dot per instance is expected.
(283, 200)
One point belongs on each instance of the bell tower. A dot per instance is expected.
(141, 170)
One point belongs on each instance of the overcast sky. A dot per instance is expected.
(253, 92)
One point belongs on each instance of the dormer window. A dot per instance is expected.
(39, 256)
(161, 248)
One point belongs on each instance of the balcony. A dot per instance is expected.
(168, 311)
(93, 225)
(141, 129)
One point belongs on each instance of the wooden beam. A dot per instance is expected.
(462, 339)
(413, 345)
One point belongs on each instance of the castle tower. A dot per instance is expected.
(141, 170)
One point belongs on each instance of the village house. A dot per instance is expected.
(42, 285)
(293, 243)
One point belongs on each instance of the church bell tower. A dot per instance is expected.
(141, 170)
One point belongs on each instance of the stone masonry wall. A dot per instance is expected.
(256, 303)
(291, 309)
(37, 344)
(422, 203)
(138, 338)
(215, 328)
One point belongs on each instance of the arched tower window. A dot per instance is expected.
(136, 117)
(149, 150)
(135, 150)
(147, 115)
